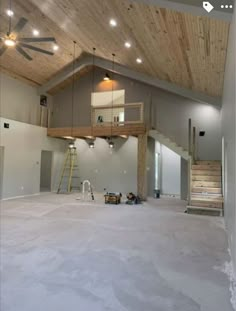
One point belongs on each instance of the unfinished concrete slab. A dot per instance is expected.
(60, 254)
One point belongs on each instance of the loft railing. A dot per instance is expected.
(117, 115)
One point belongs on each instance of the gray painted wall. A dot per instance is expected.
(110, 169)
(20, 102)
(228, 129)
(23, 144)
(170, 172)
(168, 112)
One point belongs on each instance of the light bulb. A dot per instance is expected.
(127, 45)
(35, 32)
(113, 22)
(9, 42)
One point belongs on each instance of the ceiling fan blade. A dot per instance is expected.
(46, 39)
(20, 25)
(3, 49)
(31, 47)
(23, 53)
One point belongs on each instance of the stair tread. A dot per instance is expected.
(207, 172)
(206, 178)
(206, 167)
(205, 208)
(217, 212)
(212, 200)
(208, 162)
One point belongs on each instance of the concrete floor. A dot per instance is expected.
(59, 254)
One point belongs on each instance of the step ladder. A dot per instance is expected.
(69, 179)
(89, 191)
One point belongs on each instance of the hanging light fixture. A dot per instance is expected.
(91, 145)
(111, 143)
(71, 145)
(73, 89)
(107, 77)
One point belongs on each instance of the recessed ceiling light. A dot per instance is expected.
(55, 47)
(139, 60)
(127, 44)
(10, 13)
(35, 32)
(113, 22)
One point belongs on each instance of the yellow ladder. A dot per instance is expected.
(68, 171)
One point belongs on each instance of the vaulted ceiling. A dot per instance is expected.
(186, 50)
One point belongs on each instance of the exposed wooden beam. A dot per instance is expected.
(97, 131)
(194, 7)
(87, 60)
(142, 166)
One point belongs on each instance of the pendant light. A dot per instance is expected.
(111, 143)
(91, 143)
(107, 77)
(73, 90)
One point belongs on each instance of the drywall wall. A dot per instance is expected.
(167, 112)
(110, 169)
(228, 132)
(22, 155)
(170, 183)
(20, 101)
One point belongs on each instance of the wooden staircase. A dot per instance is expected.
(206, 188)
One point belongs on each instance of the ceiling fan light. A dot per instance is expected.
(55, 47)
(9, 42)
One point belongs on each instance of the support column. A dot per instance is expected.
(142, 166)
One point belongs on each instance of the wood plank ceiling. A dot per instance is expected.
(180, 48)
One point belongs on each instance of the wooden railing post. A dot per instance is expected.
(142, 166)
(189, 160)
(190, 136)
(194, 145)
(189, 180)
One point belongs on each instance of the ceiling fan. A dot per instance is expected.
(12, 39)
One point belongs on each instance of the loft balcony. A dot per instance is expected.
(108, 121)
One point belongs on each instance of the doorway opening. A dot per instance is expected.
(46, 171)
